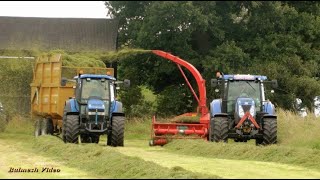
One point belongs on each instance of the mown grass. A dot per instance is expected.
(98, 160)
(298, 144)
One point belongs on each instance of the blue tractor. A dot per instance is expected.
(242, 112)
(94, 111)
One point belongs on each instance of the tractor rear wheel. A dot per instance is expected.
(117, 133)
(269, 132)
(72, 128)
(219, 129)
(37, 128)
(64, 122)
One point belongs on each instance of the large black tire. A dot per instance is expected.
(109, 139)
(269, 132)
(50, 126)
(46, 126)
(72, 128)
(64, 122)
(219, 129)
(117, 135)
(37, 128)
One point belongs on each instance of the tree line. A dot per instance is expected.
(279, 39)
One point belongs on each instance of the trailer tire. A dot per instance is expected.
(219, 129)
(46, 126)
(50, 126)
(37, 128)
(117, 134)
(72, 128)
(269, 131)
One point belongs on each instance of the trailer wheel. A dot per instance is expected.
(72, 128)
(219, 129)
(269, 131)
(37, 128)
(117, 133)
(46, 126)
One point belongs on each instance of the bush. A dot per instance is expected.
(174, 100)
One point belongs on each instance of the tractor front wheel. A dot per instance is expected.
(219, 129)
(269, 132)
(115, 138)
(72, 128)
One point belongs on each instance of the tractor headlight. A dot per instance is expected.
(241, 111)
(252, 111)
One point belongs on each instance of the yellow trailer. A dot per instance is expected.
(48, 97)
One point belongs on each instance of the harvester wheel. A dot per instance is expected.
(219, 129)
(72, 128)
(117, 134)
(37, 128)
(269, 131)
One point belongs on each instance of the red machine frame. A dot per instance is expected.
(161, 133)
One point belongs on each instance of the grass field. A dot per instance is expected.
(296, 155)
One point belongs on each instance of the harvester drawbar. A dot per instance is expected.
(161, 133)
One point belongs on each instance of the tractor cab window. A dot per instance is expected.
(242, 89)
(95, 87)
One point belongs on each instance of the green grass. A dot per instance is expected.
(138, 128)
(99, 160)
(298, 144)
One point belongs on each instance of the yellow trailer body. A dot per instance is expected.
(48, 97)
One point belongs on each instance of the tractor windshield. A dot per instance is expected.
(243, 89)
(95, 87)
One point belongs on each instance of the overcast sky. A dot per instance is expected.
(70, 9)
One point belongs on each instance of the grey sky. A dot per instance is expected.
(70, 9)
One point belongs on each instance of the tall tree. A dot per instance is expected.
(279, 39)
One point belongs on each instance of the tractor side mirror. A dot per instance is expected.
(274, 84)
(64, 81)
(126, 83)
(214, 82)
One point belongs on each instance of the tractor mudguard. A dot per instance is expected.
(269, 108)
(269, 116)
(215, 108)
(72, 107)
(116, 107)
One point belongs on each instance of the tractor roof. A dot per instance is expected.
(96, 76)
(244, 77)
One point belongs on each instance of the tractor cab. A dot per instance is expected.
(95, 95)
(238, 91)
